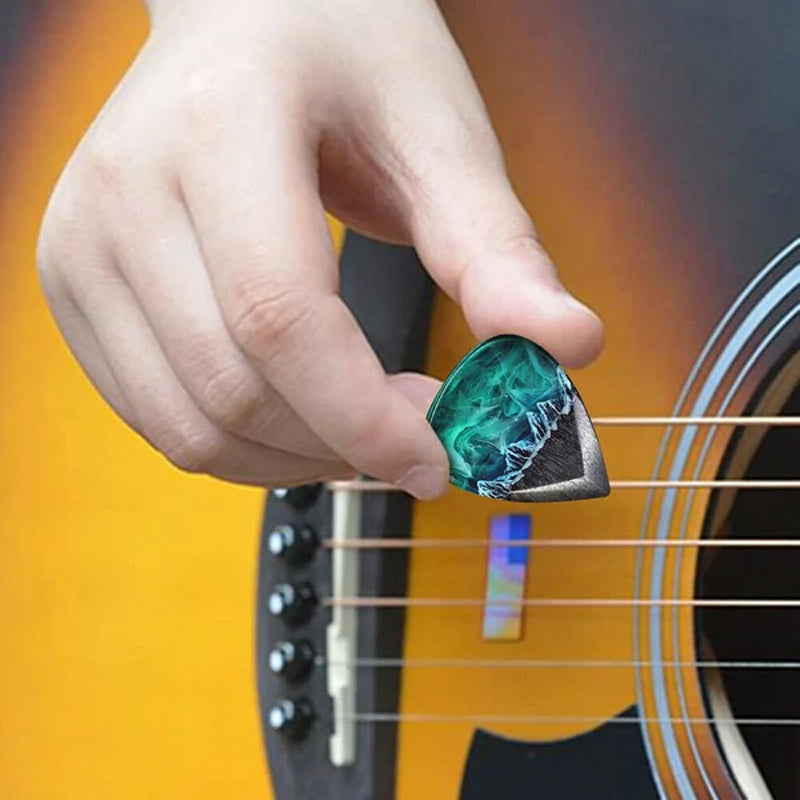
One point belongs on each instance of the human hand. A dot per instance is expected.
(186, 257)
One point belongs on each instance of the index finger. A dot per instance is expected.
(262, 228)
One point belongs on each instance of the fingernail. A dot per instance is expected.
(425, 481)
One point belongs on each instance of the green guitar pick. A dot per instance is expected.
(515, 428)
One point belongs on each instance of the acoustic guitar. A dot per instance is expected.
(643, 645)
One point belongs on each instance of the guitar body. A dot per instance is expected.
(661, 174)
(126, 588)
(655, 146)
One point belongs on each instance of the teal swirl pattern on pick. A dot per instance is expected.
(505, 405)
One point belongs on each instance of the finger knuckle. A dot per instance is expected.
(456, 146)
(203, 98)
(59, 231)
(106, 164)
(187, 448)
(524, 243)
(471, 134)
(480, 141)
(266, 315)
(230, 397)
(370, 440)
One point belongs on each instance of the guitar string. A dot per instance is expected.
(554, 602)
(549, 544)
(562, 543)
(562, 719)
(491, 663)
(381, 486)
(378, 717)
(781, 421)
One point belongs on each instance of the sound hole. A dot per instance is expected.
(760, 634)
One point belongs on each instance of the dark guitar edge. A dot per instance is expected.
(391, 296)
(719, 571)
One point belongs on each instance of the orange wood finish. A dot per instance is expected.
(126, 588)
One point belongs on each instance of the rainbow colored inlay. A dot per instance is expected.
(505, 578)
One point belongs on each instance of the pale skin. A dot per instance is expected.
(185, 251)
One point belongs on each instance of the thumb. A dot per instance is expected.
(480, 246)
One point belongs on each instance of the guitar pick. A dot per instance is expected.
(515, 428)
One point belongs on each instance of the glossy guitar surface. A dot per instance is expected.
(636, 136)
(655, 146)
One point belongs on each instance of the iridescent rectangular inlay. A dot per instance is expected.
(505, 578)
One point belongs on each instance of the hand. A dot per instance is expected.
(186, 257)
